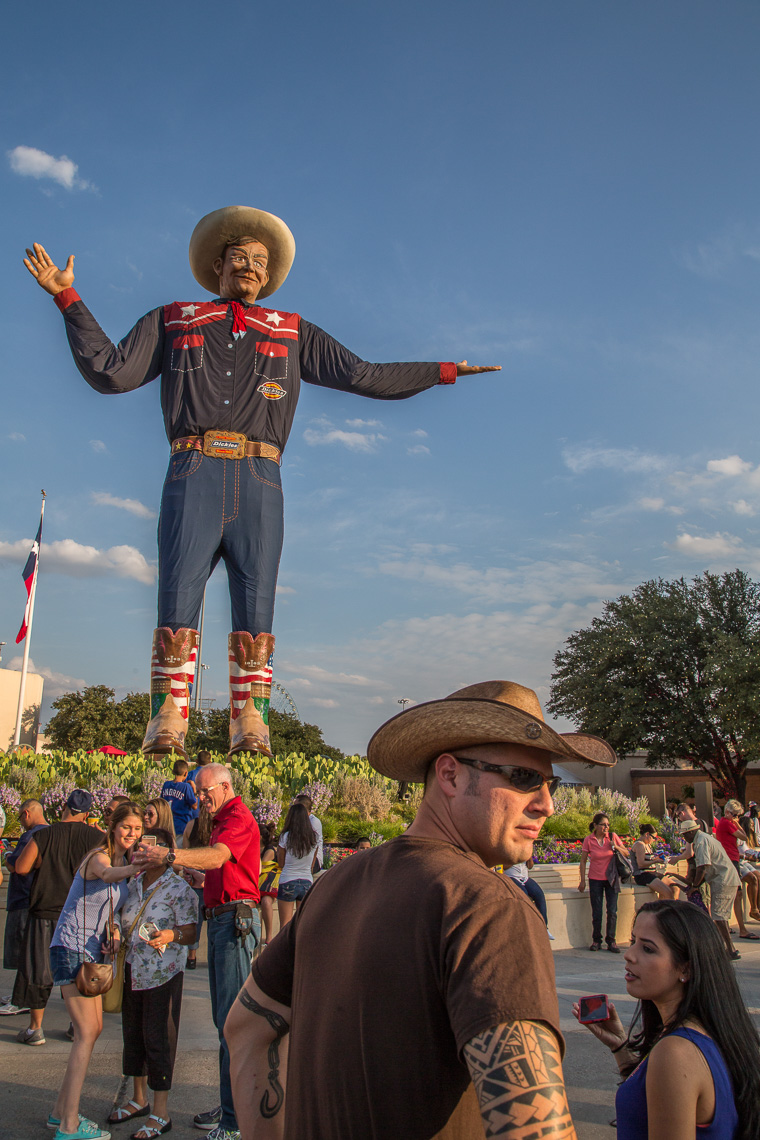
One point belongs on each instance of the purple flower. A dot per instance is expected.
(10, 799)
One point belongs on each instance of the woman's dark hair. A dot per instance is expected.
(302, 837)
(164, 838)
(600, 815)
(199, 834)
(647, 829)
(711, 997)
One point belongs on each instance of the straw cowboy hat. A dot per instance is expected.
(218, 229)
(491, 712)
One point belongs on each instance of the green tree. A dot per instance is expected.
(85, 719)
(93, 718)
(673, 668)
(286, 733)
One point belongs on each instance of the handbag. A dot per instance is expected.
(623, 864)
(93, 978)
(113, 998)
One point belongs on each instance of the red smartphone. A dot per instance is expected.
(594, 1008)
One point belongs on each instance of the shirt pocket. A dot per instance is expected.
(271, 360)
(187, 353)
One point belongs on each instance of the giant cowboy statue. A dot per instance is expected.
(230, 376)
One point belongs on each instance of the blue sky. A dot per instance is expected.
(567, 189)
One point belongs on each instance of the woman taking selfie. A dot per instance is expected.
(99, 885)
(598, 850)
(158, 920)
(692, 1065)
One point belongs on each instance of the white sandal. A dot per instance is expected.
(122, 1113)
(153, 1130)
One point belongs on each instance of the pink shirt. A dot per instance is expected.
(599, 855)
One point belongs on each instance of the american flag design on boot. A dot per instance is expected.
(250, 672)
(172, 668)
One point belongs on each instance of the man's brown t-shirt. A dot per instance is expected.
(396, 959)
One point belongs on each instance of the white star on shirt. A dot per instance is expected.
(189, 310)
(275, 318)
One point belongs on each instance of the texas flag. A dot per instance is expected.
(28, 574)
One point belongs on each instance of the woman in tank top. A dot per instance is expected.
(99, 885)
(691, 1059)
(296, 852)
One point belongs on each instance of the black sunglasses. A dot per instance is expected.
(521, 779)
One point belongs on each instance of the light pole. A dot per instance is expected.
(403, 793)
(199, 690)
(2, 643)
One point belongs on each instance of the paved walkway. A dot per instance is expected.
(30, 1077)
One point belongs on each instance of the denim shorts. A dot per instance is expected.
(294, 890)
(64, 964)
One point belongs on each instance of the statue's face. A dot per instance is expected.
(242, 271)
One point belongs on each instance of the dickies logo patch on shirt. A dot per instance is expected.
(272, 390)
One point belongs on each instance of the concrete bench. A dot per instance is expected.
(569, 911)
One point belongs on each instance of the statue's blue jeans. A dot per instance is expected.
(211, 509)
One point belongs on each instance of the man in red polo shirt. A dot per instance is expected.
(231, 864)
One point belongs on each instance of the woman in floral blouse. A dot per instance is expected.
(153, 976)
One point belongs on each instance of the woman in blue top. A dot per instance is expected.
(99, 883)
(693, 1067)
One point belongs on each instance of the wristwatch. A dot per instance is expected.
(170, 858)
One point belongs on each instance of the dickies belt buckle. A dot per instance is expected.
(224, 444)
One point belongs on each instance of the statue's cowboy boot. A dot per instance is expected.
(171, 681)
(250, 687)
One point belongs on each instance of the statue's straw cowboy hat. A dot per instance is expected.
(491, 712)
(217, 229)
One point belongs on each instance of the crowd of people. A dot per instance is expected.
(439, 1031)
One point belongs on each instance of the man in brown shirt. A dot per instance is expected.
(415, 987)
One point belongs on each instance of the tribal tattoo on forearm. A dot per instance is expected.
(517, 1073)
(269, 1108)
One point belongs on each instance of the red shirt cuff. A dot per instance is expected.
(448, 372)
(65, 298)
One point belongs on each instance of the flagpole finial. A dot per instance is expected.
(43, 493)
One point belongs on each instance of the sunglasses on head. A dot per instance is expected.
(521, 779)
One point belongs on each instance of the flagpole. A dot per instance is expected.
(199, 657)
(27, 640)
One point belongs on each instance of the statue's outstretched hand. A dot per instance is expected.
(48, 276)
(465, 369)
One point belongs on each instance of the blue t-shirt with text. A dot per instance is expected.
(181, 798)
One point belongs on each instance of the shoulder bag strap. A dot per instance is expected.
(139, 913)
(84, 900)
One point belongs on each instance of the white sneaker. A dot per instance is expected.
(551, 936)
(8, 1008)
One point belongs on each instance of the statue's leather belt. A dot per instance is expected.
(226, 445)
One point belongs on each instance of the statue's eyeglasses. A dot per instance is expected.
(525, 780)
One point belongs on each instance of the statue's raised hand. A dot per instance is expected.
(49, 277)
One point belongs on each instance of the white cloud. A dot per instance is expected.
(314, 674)
(653, 504)
(708, 546)
(98, 446)
(284, 590)
(420, 433)
(72, 558)
(133, 506)
(731, 465)
(364, 423)
(742, 507)
(418, 449)
(30, 162)
(629, 460)
(531, 583)
(714, 256)
(56, 684)
(17, 437)
(325, 702)
(353, 440)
